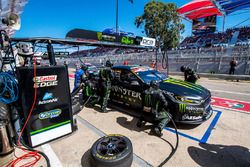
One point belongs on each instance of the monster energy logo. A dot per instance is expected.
(147, 100)
(104, 37)
(99, 36)
(182, 107)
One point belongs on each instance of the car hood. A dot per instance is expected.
(183, 88)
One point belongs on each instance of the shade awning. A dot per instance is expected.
(203, 12)
(202, 8)
(199, 9)
(230, 6)
(196, 4)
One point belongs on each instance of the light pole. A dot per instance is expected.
(116, 17)
(117, 6)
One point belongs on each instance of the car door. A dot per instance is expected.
(131, 89)
(116, 89)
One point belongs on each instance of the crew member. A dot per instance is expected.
(90, 90)
(78, 77)
(189, 74)
(159, 107)
(105, 77)
(85, 75)
(153, 64)
(233, 64)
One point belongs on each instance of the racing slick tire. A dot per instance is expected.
(112, 150)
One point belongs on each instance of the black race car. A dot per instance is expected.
(189, 103)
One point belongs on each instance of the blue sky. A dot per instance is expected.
(54, 18)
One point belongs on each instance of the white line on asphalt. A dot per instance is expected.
(224, 91)
(54, 161)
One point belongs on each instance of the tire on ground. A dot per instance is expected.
(122, 159)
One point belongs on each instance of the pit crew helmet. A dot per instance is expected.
(84, 67)
(108, 63)
(183, 68)
(154, 84)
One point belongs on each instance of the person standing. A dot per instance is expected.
(105, 77)
(233, 64)
(78, 76)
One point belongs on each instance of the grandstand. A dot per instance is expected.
(218, 39)
(206, 52)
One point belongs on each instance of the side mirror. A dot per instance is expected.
(135, 83)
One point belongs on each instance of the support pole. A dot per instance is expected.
(50, 50)
(116, 27)
(223, 26)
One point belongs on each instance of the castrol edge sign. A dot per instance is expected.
(45, 81)
(147, 41)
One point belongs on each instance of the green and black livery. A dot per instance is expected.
(189, 103)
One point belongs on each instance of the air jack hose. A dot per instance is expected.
(176, 146)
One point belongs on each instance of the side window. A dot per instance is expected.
(117, 74)
(128, 77)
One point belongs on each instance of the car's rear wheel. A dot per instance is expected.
(112, 150)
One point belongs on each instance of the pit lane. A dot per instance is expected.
(225, 135)
(223, 140)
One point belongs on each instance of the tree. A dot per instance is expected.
(162, 22)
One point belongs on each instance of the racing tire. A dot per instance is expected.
(112, 150)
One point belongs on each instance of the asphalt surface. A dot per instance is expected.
(223, 140)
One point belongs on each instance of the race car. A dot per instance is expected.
(188, 103)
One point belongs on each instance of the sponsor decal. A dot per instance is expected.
(235, 105)
(188, 117)
(45, 81)
(168, 93)
(147, 41)
(195, 110)
(126, 93)
(127, 41)
(50, 114)
(182, 107)
(231, 104)
(104, 37)
(48, 98)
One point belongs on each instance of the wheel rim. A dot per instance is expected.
(111, 146)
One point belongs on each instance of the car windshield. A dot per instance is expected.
(150, 75)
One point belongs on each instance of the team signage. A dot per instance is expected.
(47, 98)
(147, 41)
(117, 38)
(45, 81)
(50, 114)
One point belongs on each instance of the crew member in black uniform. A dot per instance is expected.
(189, 74)
(159, 107)
(105, 77)
(90, 90)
